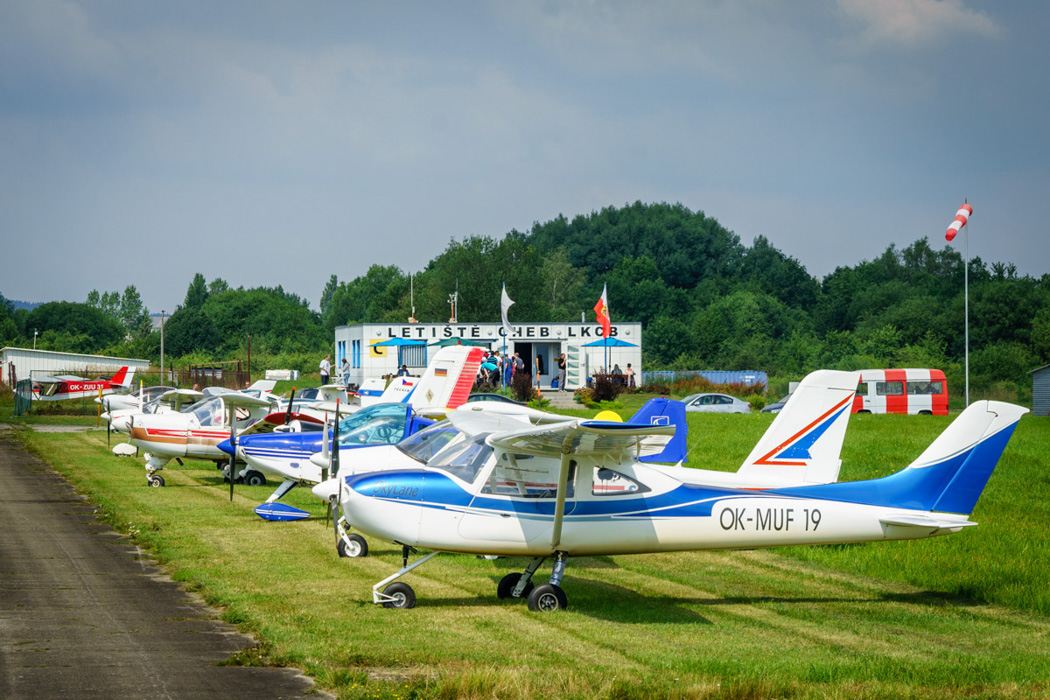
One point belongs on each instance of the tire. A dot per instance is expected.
(354, 548)
(156, 481)
(505, 589)
(404, 596)
(254, 478)
(548, 598)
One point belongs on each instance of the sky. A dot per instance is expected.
(280, 143)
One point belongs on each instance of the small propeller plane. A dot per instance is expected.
(171, 401)
(198, 432)
(68, 386)
(577, 489)
(445, 384)
(802, 446)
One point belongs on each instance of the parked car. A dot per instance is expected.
(716, 403)
(776, 405)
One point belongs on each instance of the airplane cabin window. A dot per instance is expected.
(464, 460)
(607, 482)
(537, 479)
(428, 442)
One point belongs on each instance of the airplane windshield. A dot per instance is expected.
(209, 411)
(428, 442)
(382, 424)
(465, 459)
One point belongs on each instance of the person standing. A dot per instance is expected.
(630, 376)
(326, 369)
(561, 372)
(344, 367)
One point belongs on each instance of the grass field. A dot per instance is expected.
(961, 616)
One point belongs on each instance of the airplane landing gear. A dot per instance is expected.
(353, 546)
(545, 598)
(254, 478)
(548, 598)
(399, 595)
(155, 480)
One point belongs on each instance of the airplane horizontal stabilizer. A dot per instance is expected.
(280, 512)
(925, 522)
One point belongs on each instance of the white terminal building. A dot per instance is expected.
(374, 350)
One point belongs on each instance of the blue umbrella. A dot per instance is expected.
(610, 343)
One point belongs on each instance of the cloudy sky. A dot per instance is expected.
(282, 142)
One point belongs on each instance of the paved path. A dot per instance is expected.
(84, 615)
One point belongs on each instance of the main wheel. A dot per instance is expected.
(505, 589)
(254, 478)
(353, 546)
(156, 481)
(403, 596)
(548, 598)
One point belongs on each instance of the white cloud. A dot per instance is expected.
(915, 23)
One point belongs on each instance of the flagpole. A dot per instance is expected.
(966, 307)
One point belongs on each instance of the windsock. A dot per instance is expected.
(961, 218)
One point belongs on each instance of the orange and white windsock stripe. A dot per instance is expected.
(961, 218)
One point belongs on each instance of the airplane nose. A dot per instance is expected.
(105, 416)
(226, 446)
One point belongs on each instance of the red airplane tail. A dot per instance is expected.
(123, 377)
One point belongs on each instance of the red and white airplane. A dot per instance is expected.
(68, 386)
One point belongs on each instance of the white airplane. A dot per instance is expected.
(576, 489)
(445, 384)
(70, 386)
(198, 431)
(801, 446)
(171, 401)
(136, 399)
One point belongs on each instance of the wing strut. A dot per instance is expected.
(563, 487)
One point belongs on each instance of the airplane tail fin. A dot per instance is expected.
(662, 411)
(949, 476)
(449, 377)
(805, 440)
(123, 377)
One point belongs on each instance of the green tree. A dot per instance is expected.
(197, 293)
(75, 327)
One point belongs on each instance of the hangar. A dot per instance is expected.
(412, 344)
(27, 363)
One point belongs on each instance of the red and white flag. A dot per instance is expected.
(961, 217)
(602, 311)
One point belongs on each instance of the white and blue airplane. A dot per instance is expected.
(410, 404)
(577, 489)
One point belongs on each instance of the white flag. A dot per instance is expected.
(504, 304)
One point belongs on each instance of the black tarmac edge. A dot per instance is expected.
(84, 614)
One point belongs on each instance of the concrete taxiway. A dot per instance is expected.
(84, 614)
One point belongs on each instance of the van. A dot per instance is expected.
(911, 391)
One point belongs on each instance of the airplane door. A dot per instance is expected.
(516, 502)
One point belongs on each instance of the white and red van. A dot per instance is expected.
(902, 391)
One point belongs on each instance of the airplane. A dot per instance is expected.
(198, 431)
(171, 401)
(445, 384)
(480, 499)
(136, 399)
(68, 386)
(801, 446)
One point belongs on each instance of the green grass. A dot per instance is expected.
(955, 617)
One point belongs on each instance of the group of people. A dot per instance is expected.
(496, 368)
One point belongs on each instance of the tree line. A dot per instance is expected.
(705, 301)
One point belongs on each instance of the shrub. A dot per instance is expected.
(521, 385)
(604, 388)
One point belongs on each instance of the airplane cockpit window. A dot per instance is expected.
(370, 413)
(526, 477)
(465, 459)
(209, 412)
(607, 482)
(428, 442)
(381, 430)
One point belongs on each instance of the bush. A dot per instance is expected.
(604, 388)
(521, 385)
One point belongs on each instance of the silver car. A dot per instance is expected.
(716, 403)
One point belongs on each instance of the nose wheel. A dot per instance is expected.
(155, 480)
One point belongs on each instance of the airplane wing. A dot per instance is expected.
(587, 437)
(180, 397)
(238, 400)
(345, 409)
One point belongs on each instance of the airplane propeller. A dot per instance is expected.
(288, 414)
(233, 443)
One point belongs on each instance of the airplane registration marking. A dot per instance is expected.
(766, 519)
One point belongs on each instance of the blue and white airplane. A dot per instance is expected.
(577, 489)
(445, 384)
